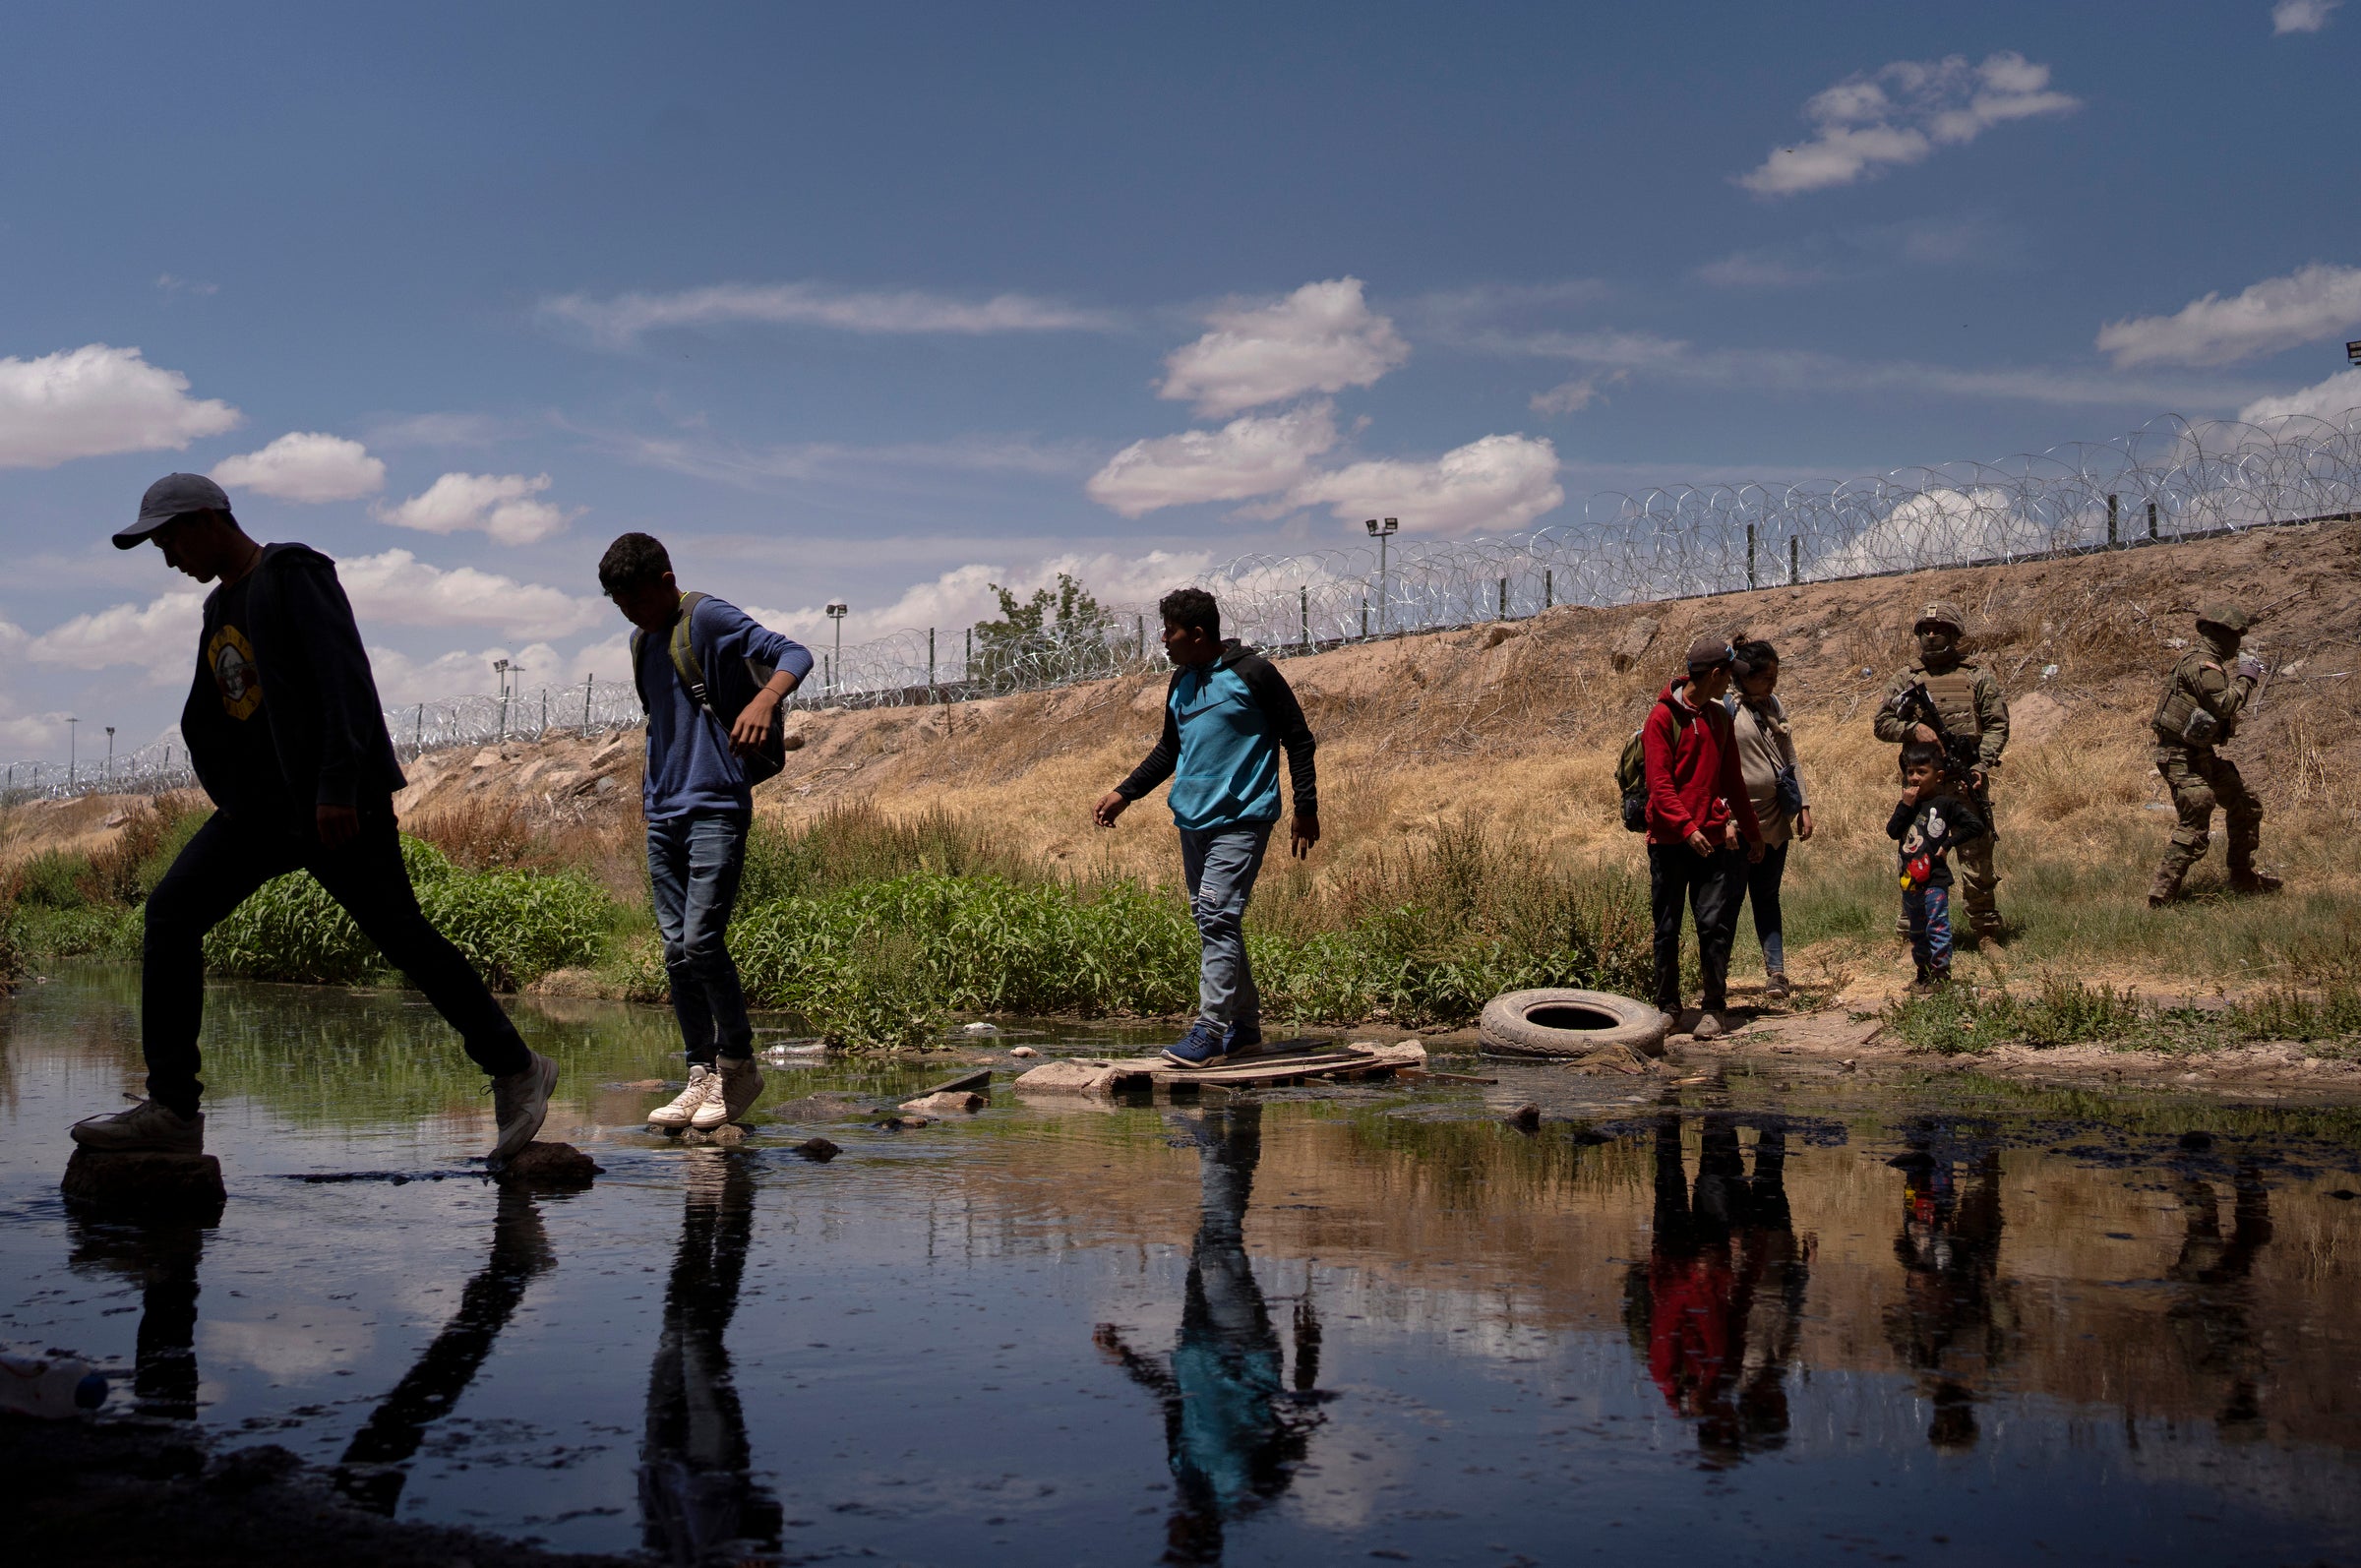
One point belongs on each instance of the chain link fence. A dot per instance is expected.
(2169, 480)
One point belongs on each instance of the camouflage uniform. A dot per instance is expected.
(1969, 697)
(2208, 691)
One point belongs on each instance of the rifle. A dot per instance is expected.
(1963, 755)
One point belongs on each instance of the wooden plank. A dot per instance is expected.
(1351, 1061)
(979, 1081)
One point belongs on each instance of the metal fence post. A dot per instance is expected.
(590, 685)
(421, 741)
(1751, 584)
(545, 710)
(1503, 614)
(1549, 587)
(2152, 519)
(930, 664)
(1794, 561)
(1364, 615)
(967, 665)
(2111, 506)
(1303, 612)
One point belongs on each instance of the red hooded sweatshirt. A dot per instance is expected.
(1694, 783)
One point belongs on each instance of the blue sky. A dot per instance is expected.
(886, 302)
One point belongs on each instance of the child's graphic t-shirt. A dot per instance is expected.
(1927, 831)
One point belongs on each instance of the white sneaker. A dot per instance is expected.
(520, 1104)
(740, 1085)
(144, 1128)
(704, 1084)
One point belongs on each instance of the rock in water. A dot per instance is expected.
(820, 1149)
(728, 1135)
(944, 1103)
(550, 1165)
(133, 1185)
(1026, 1052)
(1526, 1118)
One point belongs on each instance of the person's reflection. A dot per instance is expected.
(698, 1500)
(1717, 1306)
(162, 1260)
(1234, 1431)
(2210, 1318)
(373, 1468)
(1952, 1324)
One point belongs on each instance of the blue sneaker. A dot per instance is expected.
(1240, 1039)
(1201, 1047)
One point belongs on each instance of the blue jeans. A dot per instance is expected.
(692, 868)
(1220, 864)
(1928, 910)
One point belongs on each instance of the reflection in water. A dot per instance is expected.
(2211, 1318)
(1717, 1305)
(372, 1472)
(162, 1260)
(1956, 1321)
(699, 1501)
(1233, 1433)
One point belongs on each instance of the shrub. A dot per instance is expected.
(513, 925)
(54, 879)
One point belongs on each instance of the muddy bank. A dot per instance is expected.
(126, 1494)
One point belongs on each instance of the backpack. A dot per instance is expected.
(736, 688)
(1632, 769)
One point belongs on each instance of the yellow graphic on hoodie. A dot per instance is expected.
(235, 675)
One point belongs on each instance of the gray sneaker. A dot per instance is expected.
(144, 1128)
(520, 1104)
(741, 1087)
(704, 1084)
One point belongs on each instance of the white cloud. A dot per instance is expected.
(2301, 16)
(2330, 399)
(962, 596)
(499, 504)
(305, 465)
(1251, 456)
(1900, 113)
(1937, 527)
(171, 286)
(838, 463)
(1322, 338)
(1573, 396)
(398, 587)
(439, 429)
(1761, 270)
(2314, 301)
(159, 637)
(401, 679)
(621, 320)
(1496, 484)
(95, 401)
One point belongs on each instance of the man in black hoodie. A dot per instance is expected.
(285, 732)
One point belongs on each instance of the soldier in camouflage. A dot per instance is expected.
(1968, 698)
(2203, 700)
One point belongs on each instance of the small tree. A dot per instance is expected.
(1058, 634)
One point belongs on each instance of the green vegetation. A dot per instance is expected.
(1966, 1019)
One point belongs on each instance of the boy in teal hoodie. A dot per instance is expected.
(1226, 715)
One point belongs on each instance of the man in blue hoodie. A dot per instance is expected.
(285, 732)
(711, 681)
(1226, 715)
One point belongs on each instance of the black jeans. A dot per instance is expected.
(1712, 885)
(1762, 892)
(227, 861)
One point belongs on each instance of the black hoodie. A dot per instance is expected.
(326, 723)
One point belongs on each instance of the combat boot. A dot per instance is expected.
(2251, 880)
(2166, 887)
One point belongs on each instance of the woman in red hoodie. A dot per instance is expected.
(1698, 815)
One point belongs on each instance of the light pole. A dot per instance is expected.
(1381, 529)
(110, 753)
(71, 733)
(838, 610)
(500, 671)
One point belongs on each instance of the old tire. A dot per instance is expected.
(1564, 1024)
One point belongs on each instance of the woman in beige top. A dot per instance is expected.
(1767, 758)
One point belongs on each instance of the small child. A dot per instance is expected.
(1928, 823)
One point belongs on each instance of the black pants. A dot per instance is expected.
(226, 862)
(1712, 886)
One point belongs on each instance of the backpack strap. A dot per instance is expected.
(683, 652)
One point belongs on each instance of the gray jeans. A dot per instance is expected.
(1220, 864)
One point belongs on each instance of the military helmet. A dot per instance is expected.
(2224, 613)
(1942, 612)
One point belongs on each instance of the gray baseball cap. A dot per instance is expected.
(169, 498)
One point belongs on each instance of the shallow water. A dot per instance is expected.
(1773, 1318)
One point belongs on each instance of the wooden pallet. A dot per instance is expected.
(1284, 1062)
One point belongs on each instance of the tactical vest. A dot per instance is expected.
(2181, 719)
(1953, 694)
